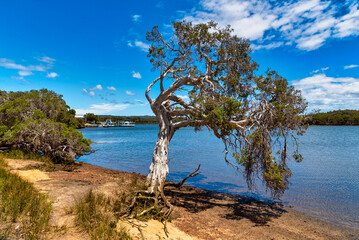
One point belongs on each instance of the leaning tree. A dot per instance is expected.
(252, 114)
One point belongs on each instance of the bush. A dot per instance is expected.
(54, 140)
(40, 122)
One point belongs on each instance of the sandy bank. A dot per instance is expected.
(198, 214)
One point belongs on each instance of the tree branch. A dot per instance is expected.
(188, 123)
(180, 112)
(149, 89)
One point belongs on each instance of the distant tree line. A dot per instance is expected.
(92, 118)
(40, 122)
(338, 117)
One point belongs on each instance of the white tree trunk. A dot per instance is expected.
(159, 166)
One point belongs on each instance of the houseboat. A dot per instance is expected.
(127, 124)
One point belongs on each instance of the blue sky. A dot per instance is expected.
(94, 52)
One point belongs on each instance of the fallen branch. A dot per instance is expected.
(192, 174)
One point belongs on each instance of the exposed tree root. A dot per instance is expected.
(144, 202)
(156, 203)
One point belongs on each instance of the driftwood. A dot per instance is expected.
(192, 174)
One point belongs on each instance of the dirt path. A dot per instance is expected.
(198, 214)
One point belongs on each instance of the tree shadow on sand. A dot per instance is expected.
(234, 207)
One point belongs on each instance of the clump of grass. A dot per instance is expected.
(137, 183)
(19, 201)
(2, 162)
(95, 214)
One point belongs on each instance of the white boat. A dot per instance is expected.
(127, 124)
(108, 123)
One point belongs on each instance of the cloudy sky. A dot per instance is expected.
(94, 52)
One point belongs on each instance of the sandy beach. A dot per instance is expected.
(198, 214)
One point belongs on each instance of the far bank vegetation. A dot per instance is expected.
(338, 117)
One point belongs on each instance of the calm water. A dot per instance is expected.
(325, 184)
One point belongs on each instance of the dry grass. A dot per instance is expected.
(99, 215)
(21, 203)
(18, 154)
(95, 215)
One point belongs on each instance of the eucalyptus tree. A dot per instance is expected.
(250, 113)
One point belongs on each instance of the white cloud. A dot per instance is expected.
(143, 46)
(312, 42)
(136, 75)
(140, 102)
(52, 75)
(130, 93)
(90, 93)
(46, 59)
(103, 108)
(268, 46)
(184, 97)
(25, 73)
(139, 44)
(351, 66)
(136, 18)
(111, 88)
(97, 87)
(349, 23)
(10, 64)
(308, 24)
(323, 69)
(329, 93)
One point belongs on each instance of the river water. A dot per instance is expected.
(325, 184)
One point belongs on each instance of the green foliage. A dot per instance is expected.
(90, 117)
(19, 201)
(40, 122)
(17, 107)
(339, 117)
(51, 139)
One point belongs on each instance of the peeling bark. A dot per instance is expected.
(159, 166)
